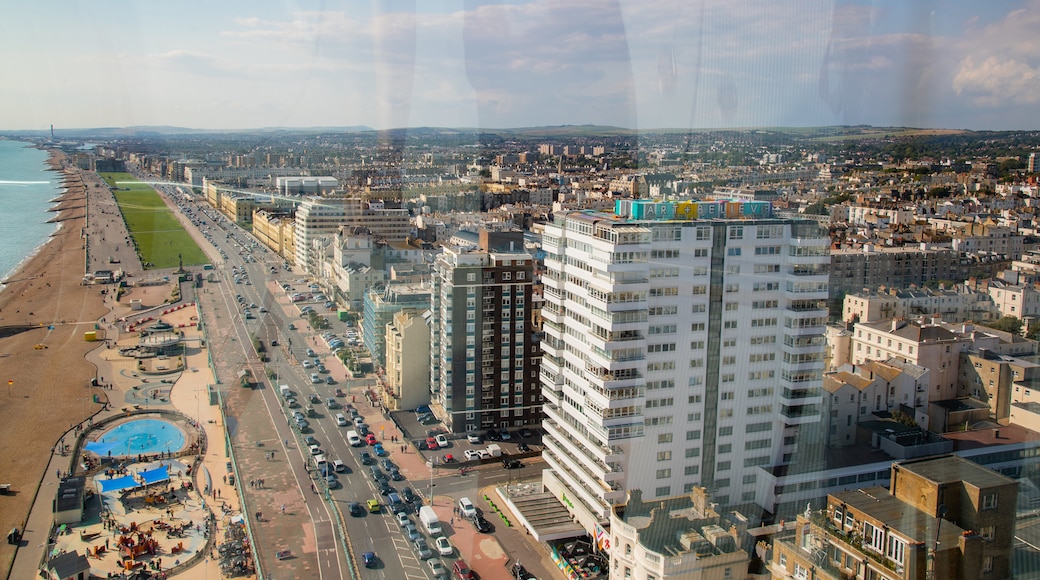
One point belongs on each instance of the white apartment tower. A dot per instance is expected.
(683, 346)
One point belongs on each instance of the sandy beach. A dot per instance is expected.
(44, 378)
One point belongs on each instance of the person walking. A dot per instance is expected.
(283, 508)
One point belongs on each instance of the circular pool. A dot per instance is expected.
(143, 436)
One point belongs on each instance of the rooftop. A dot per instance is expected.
(953, 469)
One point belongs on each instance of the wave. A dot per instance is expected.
(9, 182)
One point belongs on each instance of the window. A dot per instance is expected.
(736, 232)
(989, 501)
(873, 537)
(732, 251)
(693, 435)
(987, 564)
(664, 473)
(722, 466)
(664, 455)
(691, 470)
(724, 431)
(987, 533)
(896, 549)
(693, 452)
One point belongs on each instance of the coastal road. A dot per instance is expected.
(227, 326)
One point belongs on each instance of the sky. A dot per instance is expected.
(640, 64)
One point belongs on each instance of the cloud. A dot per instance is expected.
(1001, 62)
(995, 81)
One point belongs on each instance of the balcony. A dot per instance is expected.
(799, 415)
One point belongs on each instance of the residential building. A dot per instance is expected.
(407, 353)
(683, 347)
(319, 218)
(681, 537)
(943, 517)
(483, 346)
(379, 307)
(957, 304)
(855, 393)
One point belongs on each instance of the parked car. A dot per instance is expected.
(422, 549)
(444, 546)
(442, 441)
(473, 438)
(438, 570)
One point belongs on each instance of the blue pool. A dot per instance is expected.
(144, 436)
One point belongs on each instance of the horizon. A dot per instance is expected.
(524, 63)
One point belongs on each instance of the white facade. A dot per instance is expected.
(677, 353)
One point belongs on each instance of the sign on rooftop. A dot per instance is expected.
(644, 209)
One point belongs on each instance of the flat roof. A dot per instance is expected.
(952, 469)
(900, 516)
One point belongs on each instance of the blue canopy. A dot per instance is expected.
(155, 475)
(127, 481)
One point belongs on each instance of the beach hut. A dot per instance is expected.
(68, 566)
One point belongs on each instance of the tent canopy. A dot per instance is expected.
(125, 482)
(155, 475)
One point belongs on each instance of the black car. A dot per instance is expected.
(408, 495)
(384, 488)
(522, 447)
(511, 463)
(366, 458)
(526, 433)
(483, 526)
(493, 435)
(356, 509)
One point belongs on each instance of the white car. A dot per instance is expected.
(315, 450)
(444, 546)
(467, 509)
(472, 454)
(442, 441)
(402, 519)
(473, 438)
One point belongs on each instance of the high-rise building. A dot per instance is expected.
(484, 370)
(683, 346)
(318, 219)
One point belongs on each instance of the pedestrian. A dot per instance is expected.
(283, 508)
(258, 516)
(225, 480)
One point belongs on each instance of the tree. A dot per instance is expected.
(1034, 331)
(1007, 324)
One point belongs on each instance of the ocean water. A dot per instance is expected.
(26, 188)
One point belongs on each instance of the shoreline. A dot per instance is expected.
(54, 202)
(46, 308)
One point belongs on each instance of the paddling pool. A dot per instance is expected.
(144, 436)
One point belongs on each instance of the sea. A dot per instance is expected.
(26, 190)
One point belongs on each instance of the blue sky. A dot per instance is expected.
(633, 63)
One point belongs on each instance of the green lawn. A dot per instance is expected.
(153, 227)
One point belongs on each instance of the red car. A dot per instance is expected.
(462, 571)
(431, 443)
(370, 438)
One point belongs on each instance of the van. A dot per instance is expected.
(320, 461)
(338, 466)
(466, 508)
(341, 420)
(353, 439)
(311, 412)
(284, 390)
